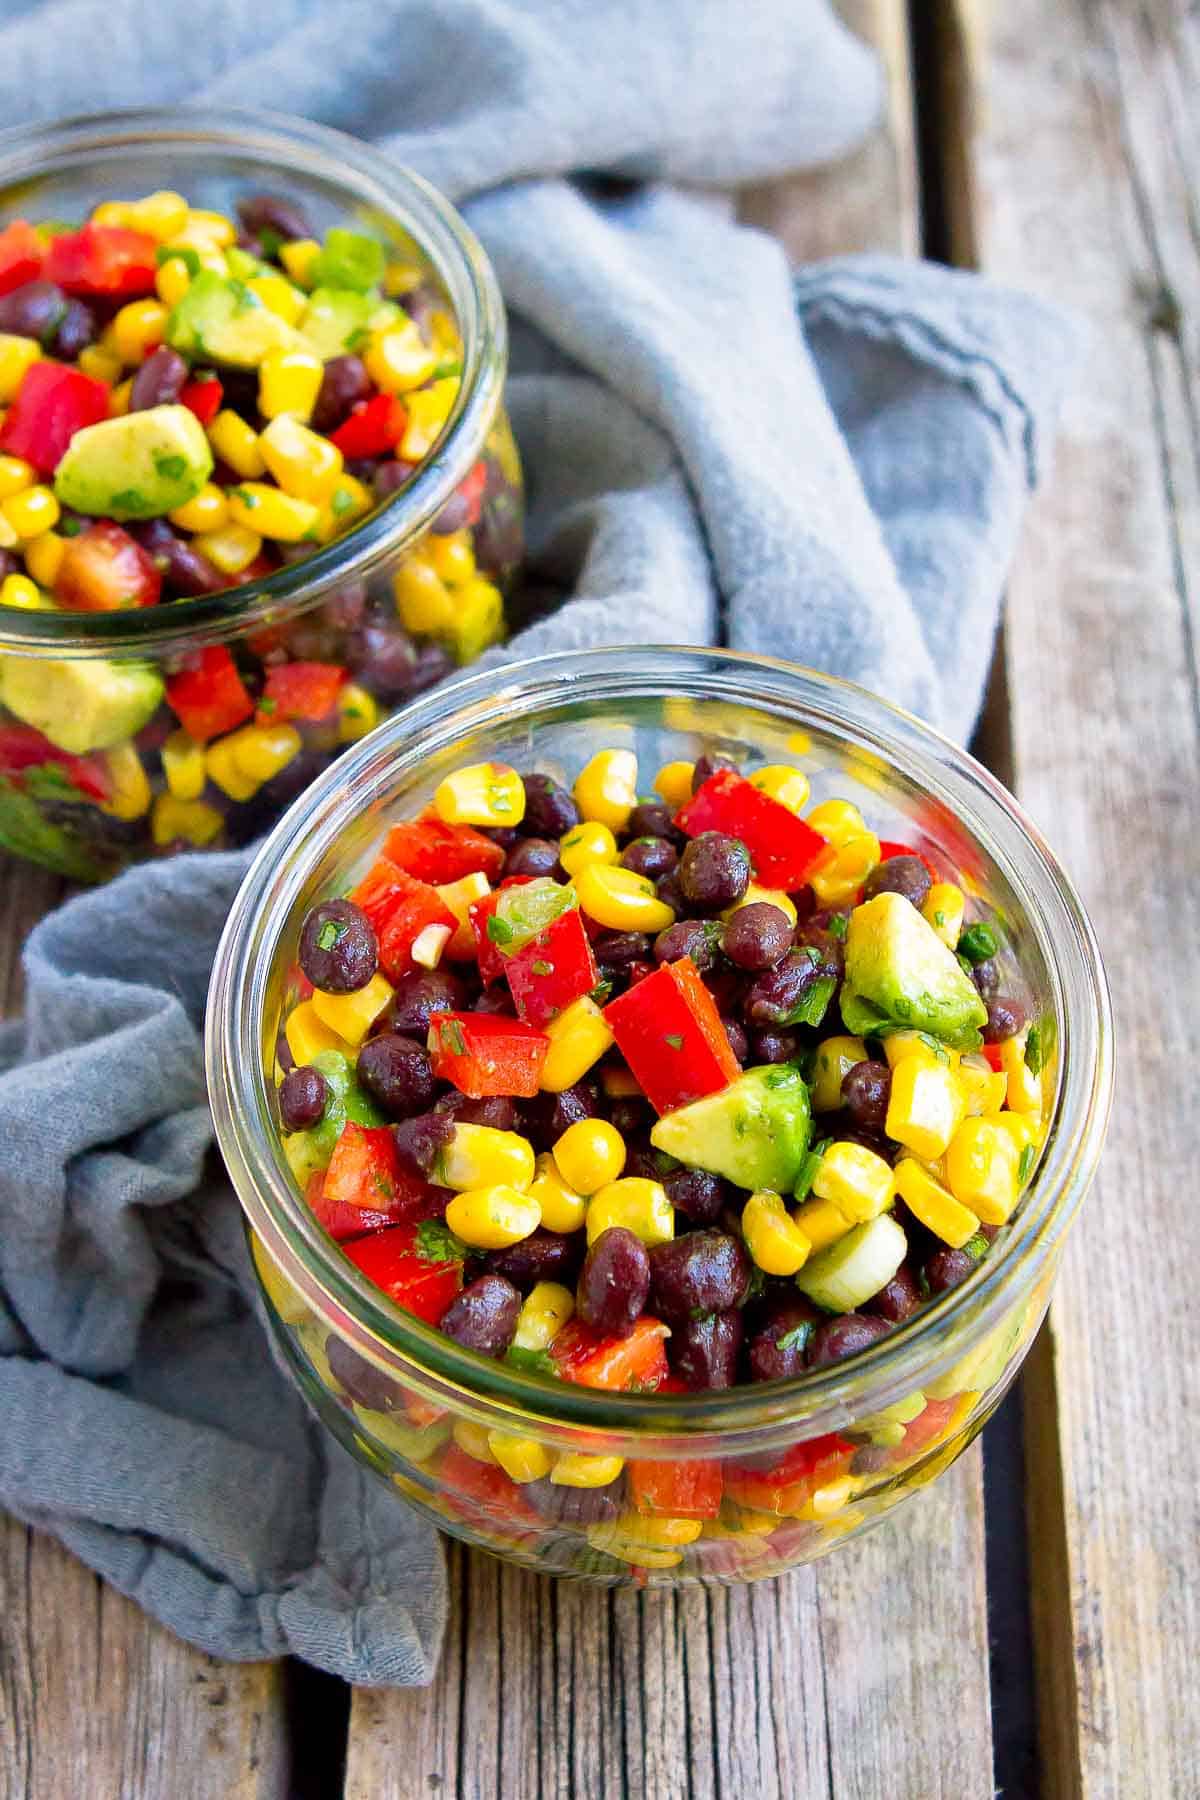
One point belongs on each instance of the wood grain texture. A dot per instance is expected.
(1086, 165)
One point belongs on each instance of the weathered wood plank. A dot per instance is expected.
(1085, 161)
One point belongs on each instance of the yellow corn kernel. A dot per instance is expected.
(984, 1088)
(925, 1107)
(660, 1533)
(236, 443)
(307, 1034)
(585, 845)
(8, 537)
(473, 1439)
(422, 598)
(573, 1469)
(478, 618)
(522, 1458)
(428, 410)
(452, 556)
(261, 751)
(774, 1240)
(43, 557)
(160, 215)
(15, 476)
(943, 908)
(205, 231)
(130, 797)
(491, 1218)
(822, 1222)
(192, 821)
(347, 503)
(590, 1155)
(834, 1058)
(1023, 1129)
(444, 332)
(271, 512)
(578, 1037)
(113, 212)
(358, 713)
(1024, 1089)
(901, 1044)
(32, 511)
(206, 511)
(118, 400)
(401, 278)
(933, 1205)
(288, 383)
(298, 257)
(306, 465)
(562, 1208)
(352, 1015)
(608, 1537)
(398, 358)
(183, 766)
(827, 1500)
(172, 279)
(606, 788)
(136, 330)
(839, 877)
(18, 590)
(981, 1169)
(858, 1182)
(837, 821)
(546, 1310)
(621, 899)
(460, 896)
(783, 783)
(674, 783)
(223, 768)
(480, 1156)
(16, 355)
(278, 295)
(640, 1205)
(489, 793)
(761, 896)
(620, 1083)
(100, 364)
(231, 549)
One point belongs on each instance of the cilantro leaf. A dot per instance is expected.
(1025, 1164)
(797, 1337)
(808, 1168)
(674, 1040)
(810, 1009)
(977, 943)
(451, 1033)
(499, 930)
(530, 1362)
(171, 468)
(437, 1243)
(1034, 1056)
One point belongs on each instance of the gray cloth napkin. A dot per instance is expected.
(831, 468)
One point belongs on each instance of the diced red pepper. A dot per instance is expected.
(590, 1359)
(210, 698)
(788, 1484)
(471, 489)
(438, 853)
(670, 1033)
(888, 849)
(783, 849)
(104, 569)
(676, 1490)
(474, 1487)
(363, 1168)
(301, 690)
(373, 427)
(21, 253)
(413, 906)
(994, 1055)
(52, 403)
(552, 969)
(406, 1263)
(488, 955)
(482, 1054)
(203, 398)
(343, 1223)
(102, 259)
(929, 1426)
(22, 748)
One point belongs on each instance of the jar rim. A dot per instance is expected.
(754, 1414)
(298, 147)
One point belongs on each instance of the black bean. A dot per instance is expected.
(946, 1268)
(698, 1194)
(253, 246)
(550, 811)
(497, 1110)
(33, 310)
(573, 1507)
(986, 976)
(76, 330)
(629, 1115)
(638, 971)
(775, 996)
(707, 765)
(670, 892)
(434, 663)
(159, 381)
(10, 564)
(650, 856)
(344, 383)
(390, 476)
(899, 1299)
(866, 1090)
(360, 1378)
(704, 1352)
(739, 1043)
(189, 572)
(870, 1459)
(845, 1128)
(542, 1256)
(1006, 1017)
(777, 1344)
(771, 1046)
(484, 1316)
(302, 1096)
(338, 950)
(617, 949)
(697, 938)
(505, 835)
(652, 818)
(384, 660)
(397, 1073)
(757, 936)
(701, 1272)
(274, 213)
(497, 1001)
(905, 875)
(454, 516)
(843, 1336)
(714, 871)
(614, 1282)
(363, 468)
(418, 1141)
(545, 1117)
(421, 993)
(532, 856)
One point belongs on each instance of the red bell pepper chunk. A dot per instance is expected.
(929, 1426)
(472, 489)
(102, 259)
(473, 1487)
(52, 403)
(552, 969)
(482, 1054)
(21, 253)
(343, 1223)
(203, 397)
(670, 1033)
(22, 748)
(888, 849)
(413, 906)
(439, 853)
(676, 1490)
(210, 698)
(992, 1052)
(789, 1484)
(104, 569)
(373, 427)
(590, 1359)
(488, 955)
(363, 1168)
(783, 849)
(301, 690)
(410, 1265)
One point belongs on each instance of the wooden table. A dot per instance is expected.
(1057, 149)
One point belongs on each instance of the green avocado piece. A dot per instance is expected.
(754, 1132)
(348, 259)
(138, 466)
(221, 320)
(901, 976)
(81, 706)
(310, 1151)
(335, 321)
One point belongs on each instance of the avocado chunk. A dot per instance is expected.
(138, 466)
(754, 1132)
(337, 320)
(900, 975)
(222, 320)
(81, 706)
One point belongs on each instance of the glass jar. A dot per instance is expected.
(719, 1485)
(96, 795)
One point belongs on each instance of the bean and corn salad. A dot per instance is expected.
(655, 1092)
(189, 401)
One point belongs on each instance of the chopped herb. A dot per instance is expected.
(530, 1362)
(329, 934)
(69, 527)
(1033, 1051)
(248, 500)
(673, 1038)
(903, 1007)
(129, 500)
(665, 1163)
(357, 338)
(171, 468)
(796, 1338)
(939, 919)
(741, 1125)
(245, 297)
(342, 502)
(452, 1034)
(812, 1006)
(601, 992)
(783, 1076)
(189, 258)
(543, 968)
(568, 843)
(267, 705)
(499, 930)
(977, 943)
(450, 366)
(976, 1247)
(808, 1168)
(382, 1184)
(270, 241)
(1025, 1164)
(437, 1243)
(838, 926)
(813, 954)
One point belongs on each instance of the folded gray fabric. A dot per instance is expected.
(830, 469)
